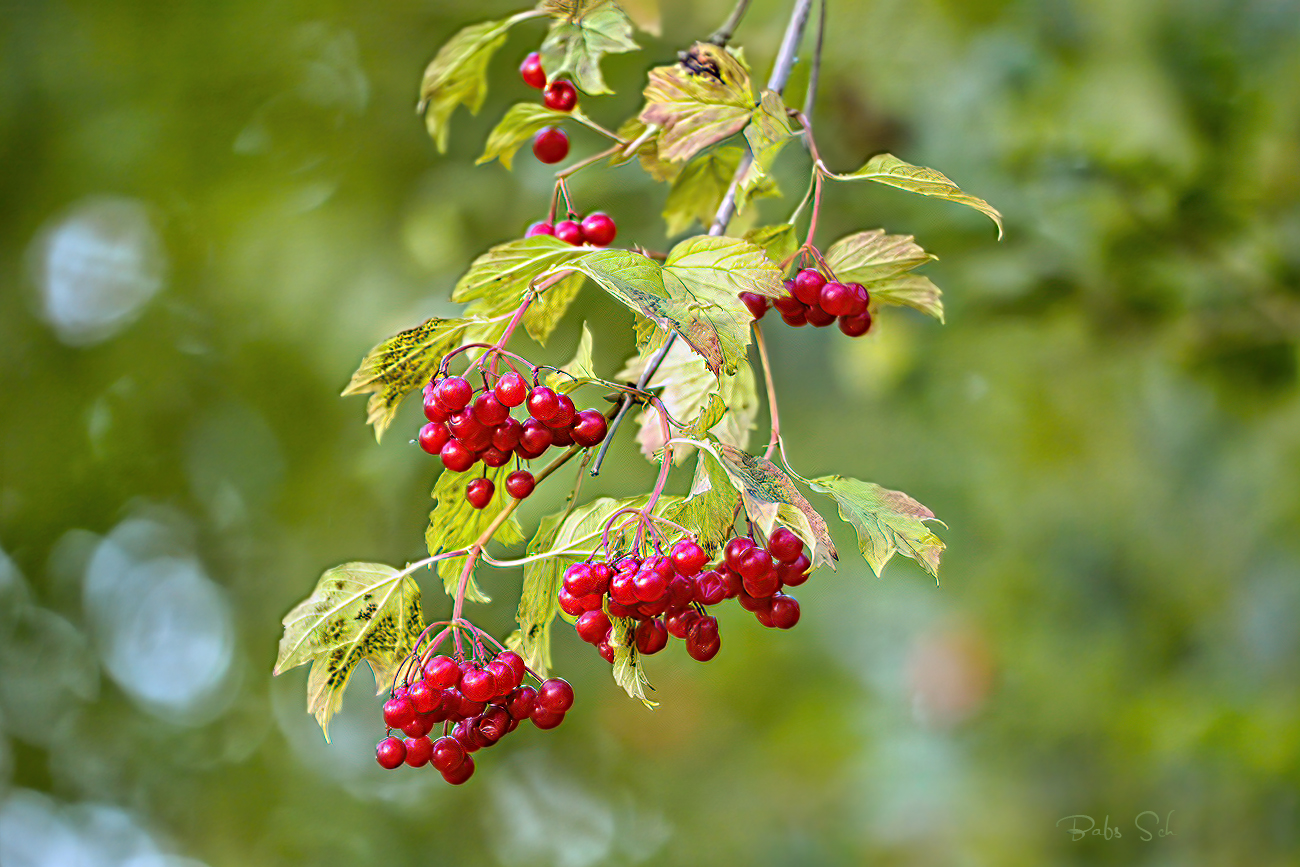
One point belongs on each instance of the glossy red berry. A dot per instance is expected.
(490, 411)
(456, 457)
(788, 304)
(785, 612)
(520, 484)
(455, 393)
(702, 640)
(545, 719)
(516, 663)
(710, 588)
(555, 695)
(543, 404)
(808, 285)
(795, 573)
(735, 549)
(589, 428)
(433, 436)
(836, 299)
(855, 326)
(442, 672)
(418, 751)
(531, 71)
(570, 232)
(534, 438)
(756, 303)
(479, 492)
(494, 457)
(511, 389)
(551, 145)
(398, 713)
(784, 545)
(860, 299)
(598, 229)
(434, 410)
(560, 95)
(679, 623)
(521, 701)
(390, 753)
(541, 227)
(593, 626)
(447, 754)
(423, 697)
(688, 558)
(461, 773)
(798, 319)
(819, 318)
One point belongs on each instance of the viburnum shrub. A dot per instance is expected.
(628, 573)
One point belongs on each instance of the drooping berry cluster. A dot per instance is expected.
(597, 229)
(668, 595)
(550, 145)
(477, 706)
(464, 429)
(813, 300)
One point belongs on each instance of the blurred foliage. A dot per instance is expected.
(1109, 424)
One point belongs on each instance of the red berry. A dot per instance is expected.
(418, 751)
(710, 588)
(520, 484)
(578, 579)
(651, 636)
(589, 428)
(541, 227)
(398, 712)
(535, 436)
(505, 436)
(390, 753)
(494, 457)
(649, 585)
(490, 411)
(456, 457)
(434, 410)
(784, 545)
(461, 773)
(598, 229)
(442, 672)
(545, 719)
(762, 585)
(798, 320)
(516, 663)
(521, 701)
(561, 436)
(543, 404)
(795, 573)
(735, 549)
(688, 558)
(785, 612)
(531, 71)
(855, 326)
(425, 698)
(600, 575)
(479, 492)
(570, 604)
(756, 303)
(555, 695)
(551, 145)
(703, 641)
(511, 389)
(836, 299)
(860, 299)
(447, 754)
(606, 651)
(433, 436)
(454, 393)
(593, 626)
(819, 318)
(808, 286)
(477, 685)
(679, 624)
(788, 304)
(570, 232)
(560, 96)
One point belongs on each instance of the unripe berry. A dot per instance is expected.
(479, 492)
(756, 303)
(598, 229)
(531, 71)
(390, 753)
(511, 389)
(784, 545)
(555, 695)
(569, 232)
(541, 227)
(589, 428)
(560, 96)
(808, 285)
(433, 436)
(551, 145)
(520, 484)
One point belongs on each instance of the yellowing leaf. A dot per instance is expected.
(455, 524)
(545, 313)
(779, 242)
(505, 271)
(710, 509)
(357, 611)
(647, 151)
(585, 31)
(767, 134)
(697, 192)
(401, 364)
(458, 73)
(698, 102)
(890, 170)
(881, 262)
(644, 14)
(628, 670)
(886, 522)
(521, 123)
(913, 291)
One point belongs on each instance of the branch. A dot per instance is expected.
(814, 74)
(724, 33)
(771, 392)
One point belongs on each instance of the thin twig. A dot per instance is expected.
(814, 73)
(725, 32)
(771, 392)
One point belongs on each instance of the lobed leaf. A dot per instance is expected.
(779, 242)
(521, 123)
(886, 522)
(506, 270)
(628, 671)
(890, 170)
(881, 262)
(455, 524)
(698, 102)
(585, 31)
(768, 132)
(698, 191)
(357, 611)
(400, 365)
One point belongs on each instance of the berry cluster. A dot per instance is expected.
(464, 429)
(550, 145)
(813, 300)
(596, 229)
(668, 595)
(477, 706)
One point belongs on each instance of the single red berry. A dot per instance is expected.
(490, 411)
(521, 701)
(589, 428)
(447, 754)
(456, 457)
(511, 389)
(454, 393)
(494, 457)
(505, 436)
(756, 303)
(543, 404)
(433, 436)
(570, 604)
(390, 753)
(570, 232)
(860, 299)
(520, 484)
(531, 71)
(784, 545)
(836, 299)
(578, 579)
(551, 145)
(795, 573)
(461, 773)
(808, 285)
(785, 612)
(649, 585)
(651, 636)
(560, 96)
(606, 651)
(688, 558)
(735, 549)
(855, 326)
(763, 585)
(797, 320)
(681, 592)
(710, 588)
(592, 626)
(418, 751)
(703, 641)
(477, 685)
(679, 624)
(535, 437)
(598, 229)
(434, 410)
(424, 697)
(469, 708)
(561, 436)
(541, 227)
(754, 563)
(398, 712)
(442, 672)
(565, 414)
(503, 676)
(555, 695)
(479, 492)
(545, 719)
(466, 427)
(516, 663)
(788, 304)
(601, 573)
(819, 318)
(492, 726)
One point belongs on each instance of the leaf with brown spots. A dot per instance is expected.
(357, 611)
(698, 102)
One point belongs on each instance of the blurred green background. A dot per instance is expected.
(209, 211)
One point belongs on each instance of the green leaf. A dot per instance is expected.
(455, 524)
(585, 31)
(886, 522)
(779, 242)
(698, 102)
(520, 124)
(698, 191)
(506, 270)
(771, 498)
(644, 14)
(710, 509)
(581, 370)
(400, 365)
(890, 170)
(458, 74)
(545, 313)
(357, 611)
(628, 671)
(880, 262)
(694, 396)
(767, 134)
(647, 152)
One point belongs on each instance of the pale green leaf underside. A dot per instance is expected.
(357, 611)
(778, 242)
(505, 271)
(580, 370)
(886, 522)
(628, 670)
(767, 133)
(545, 313)
(455, 524)
(890, 170)
(580, 38)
